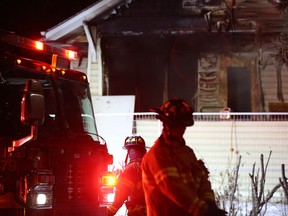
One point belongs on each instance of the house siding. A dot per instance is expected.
(95, 71)
(220, 143)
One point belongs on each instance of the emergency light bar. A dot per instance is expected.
(26, 43)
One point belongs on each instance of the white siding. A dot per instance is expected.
(220, 143)
(76, 65)
(92, 67)
(95, 79)
(94, 75)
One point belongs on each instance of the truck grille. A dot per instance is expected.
(75, 191)
(77, 182)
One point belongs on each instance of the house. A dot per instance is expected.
(212, 53)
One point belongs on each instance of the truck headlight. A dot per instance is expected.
(40, 199)
(110, 197)
(35, 189)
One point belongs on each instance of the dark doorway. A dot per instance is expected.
(239, 89)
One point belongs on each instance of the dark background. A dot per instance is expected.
(30, 17)
(151, 67)
(131, 72)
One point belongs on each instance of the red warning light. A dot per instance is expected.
(39, 45)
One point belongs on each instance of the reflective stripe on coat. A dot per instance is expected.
(174, 181)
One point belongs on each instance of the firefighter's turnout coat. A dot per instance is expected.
(129, 190)
(174, 181)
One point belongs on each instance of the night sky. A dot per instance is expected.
(30, 17)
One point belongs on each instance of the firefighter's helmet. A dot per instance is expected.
(134, 141)
(175, 112)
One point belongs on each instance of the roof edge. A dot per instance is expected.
(76, 21)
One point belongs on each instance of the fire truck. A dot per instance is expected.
(52, 160)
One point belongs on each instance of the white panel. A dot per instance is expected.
(114, 118)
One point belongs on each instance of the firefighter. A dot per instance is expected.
(175, 182)
(129, 188)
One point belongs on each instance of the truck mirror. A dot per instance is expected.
(32, 104)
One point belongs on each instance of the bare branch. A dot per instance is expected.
(283, 181)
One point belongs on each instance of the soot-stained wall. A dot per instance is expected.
(154, 68)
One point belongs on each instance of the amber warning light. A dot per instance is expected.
(107, 193)
(109, 179)
(71, 54)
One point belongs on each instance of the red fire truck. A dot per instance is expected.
(52, 160)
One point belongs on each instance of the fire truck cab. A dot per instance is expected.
(52, 160)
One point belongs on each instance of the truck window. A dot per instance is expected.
(11, 92)
(77, 109)
(10, 123)
(77, 113)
